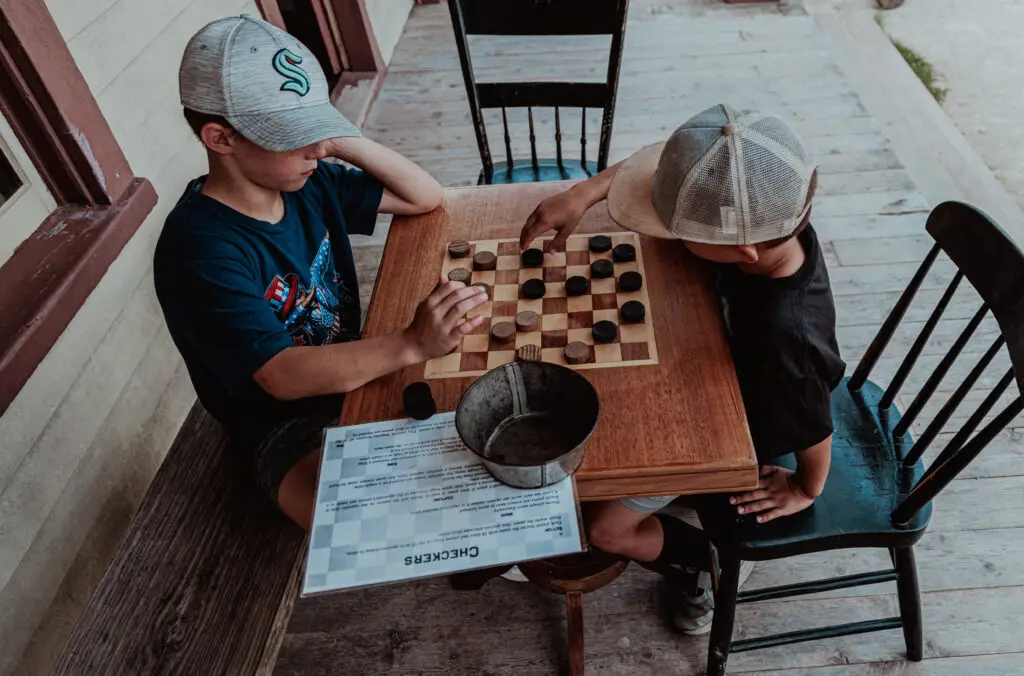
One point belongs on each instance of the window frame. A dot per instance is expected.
(100, 203)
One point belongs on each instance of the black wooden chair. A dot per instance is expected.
(536, 18)
(878, 493)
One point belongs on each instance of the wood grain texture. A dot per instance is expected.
(681, 421)
(205, 578)
(574, 619)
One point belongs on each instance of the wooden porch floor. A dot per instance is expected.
(680, 57)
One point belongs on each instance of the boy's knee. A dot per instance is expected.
(605, 536)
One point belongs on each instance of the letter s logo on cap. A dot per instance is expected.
(286, 63)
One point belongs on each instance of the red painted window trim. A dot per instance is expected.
(100, 202)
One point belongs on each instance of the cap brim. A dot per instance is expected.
(629, 196)
(286, 130)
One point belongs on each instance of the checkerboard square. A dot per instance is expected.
(607, 354)
(484, 327)
(555, 306)
(580, 303)
(476, 343)
(448, 363)
(482, 310)
(624, 238)
(508, 249)
(508, 262)
(496, 359)
(555, 290)
(554, 322)
(531, 338)
(635, 351)
(631, 266)
(553, 355)
(490, 245)
(506, 277)
(633, 333)
(553, 339)
(495, 345)
(577, 271)
(604, 301)
(530, 273)
(623, 298)
(577, 258)
(581, 335)
(504, 308)
(506, 292)
(577, 243)
(485, 276)
(473, 361)
(554, 275)
(606, 315)
(533, 305)
(555, 260)
(580, 320)
(606, 285)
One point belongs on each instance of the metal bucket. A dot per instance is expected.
(528, 422)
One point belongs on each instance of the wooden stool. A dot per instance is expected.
(572, 575)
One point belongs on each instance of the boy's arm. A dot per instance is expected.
(298, 372)
(408, 189)
(562, 212)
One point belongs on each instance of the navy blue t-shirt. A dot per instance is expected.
(235, 291)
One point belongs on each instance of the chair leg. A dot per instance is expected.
(574, 617)
(910, 602)
(725, 613)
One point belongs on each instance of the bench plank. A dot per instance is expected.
(205, 578)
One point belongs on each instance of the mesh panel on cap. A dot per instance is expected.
(708, 188)
(682, 151)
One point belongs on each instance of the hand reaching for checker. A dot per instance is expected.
(436, 329)
(561, 213)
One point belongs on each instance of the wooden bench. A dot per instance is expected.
(205, 579)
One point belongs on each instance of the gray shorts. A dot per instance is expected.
(280, 449)
(647, 505)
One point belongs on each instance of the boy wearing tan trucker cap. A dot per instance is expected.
(736, 189)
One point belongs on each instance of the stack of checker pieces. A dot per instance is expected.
(561, 319)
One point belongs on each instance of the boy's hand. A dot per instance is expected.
(435, 329)
(561, 213)
(778, 494)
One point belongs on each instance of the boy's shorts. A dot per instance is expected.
(647, 505)
(285, 444)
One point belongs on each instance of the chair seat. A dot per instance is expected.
(866, 481)
(546, 170)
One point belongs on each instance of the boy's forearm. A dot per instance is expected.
(299, 372)
(401, 177)
(595, 188)
(812, 467)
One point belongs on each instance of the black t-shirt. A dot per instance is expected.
(235, 291)
(782, 333)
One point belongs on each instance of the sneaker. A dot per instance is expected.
(693, 614)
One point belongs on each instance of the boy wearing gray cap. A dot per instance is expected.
(254, 270)
(736, 189)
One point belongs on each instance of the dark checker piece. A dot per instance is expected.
(459, 249)
(600, 243)
(533, 258)
(631, 281)
(534, 288)
(602, 269)
(576, 286)
(605, 331)
(624, 253)
(419, 403)
(485, 260)
(633, 312)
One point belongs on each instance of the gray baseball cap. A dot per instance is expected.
(721, 178)
(263, 81)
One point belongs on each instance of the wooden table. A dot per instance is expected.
(677, 427)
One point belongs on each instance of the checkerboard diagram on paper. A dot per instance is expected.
(405, 499)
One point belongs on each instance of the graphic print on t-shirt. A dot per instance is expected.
(312, 316)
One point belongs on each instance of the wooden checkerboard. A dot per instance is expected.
(563, 319)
